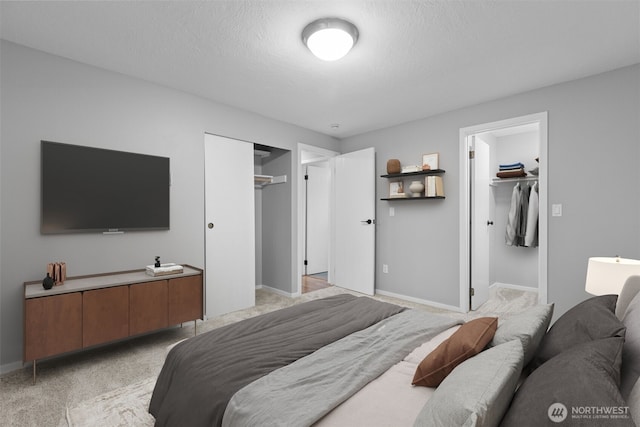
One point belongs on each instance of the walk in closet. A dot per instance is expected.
(272, 179)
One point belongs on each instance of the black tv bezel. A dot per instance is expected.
(103, 230)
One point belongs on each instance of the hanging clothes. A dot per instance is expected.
(523, 207)
(531, 234)
(514, 217)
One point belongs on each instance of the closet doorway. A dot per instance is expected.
(493, 248)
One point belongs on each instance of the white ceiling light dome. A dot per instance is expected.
(330, 38)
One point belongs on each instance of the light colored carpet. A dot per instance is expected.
(123, 407)
(111, 385)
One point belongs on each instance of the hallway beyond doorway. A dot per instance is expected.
(313, 282)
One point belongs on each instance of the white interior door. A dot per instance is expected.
(354, 190)
(318, 215)
(230, 225)
(481, 223)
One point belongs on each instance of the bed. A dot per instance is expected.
(356, 361)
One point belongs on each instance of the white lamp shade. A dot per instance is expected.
(607, 275)
(330, 38)
(330, 44)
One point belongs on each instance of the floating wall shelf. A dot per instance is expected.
(262, 180)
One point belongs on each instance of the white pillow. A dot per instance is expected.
(528, 326)
(478, 391)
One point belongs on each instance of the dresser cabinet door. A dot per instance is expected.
(53, 325)
(147, 307)
(105, 315)
(185, 299)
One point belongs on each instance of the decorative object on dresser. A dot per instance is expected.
(101, 308)
(163, 269)
(47, 282)
(58, 272)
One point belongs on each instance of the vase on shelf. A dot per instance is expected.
(393, 166)
(416, 188)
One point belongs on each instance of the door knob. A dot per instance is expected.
(489, 222)
(369, 221)
(210, 225)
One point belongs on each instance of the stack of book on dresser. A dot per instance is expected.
(164, 269)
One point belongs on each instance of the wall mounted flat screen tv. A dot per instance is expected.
(87, 189)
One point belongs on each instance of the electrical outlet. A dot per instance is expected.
(392, 211)
(385, 268)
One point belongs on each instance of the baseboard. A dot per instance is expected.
(516, 287)
(14, 366)
(276, 291)
(420, 301)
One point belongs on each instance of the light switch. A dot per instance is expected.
(392, 211)
(556, 209)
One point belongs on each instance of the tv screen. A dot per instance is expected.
(88, 189)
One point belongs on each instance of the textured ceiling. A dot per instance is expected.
(414, 58)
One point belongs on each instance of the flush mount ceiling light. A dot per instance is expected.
(330, 38)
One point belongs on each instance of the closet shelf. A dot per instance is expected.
(260, 181)
(495, 181)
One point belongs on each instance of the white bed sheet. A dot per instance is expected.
(390, 399)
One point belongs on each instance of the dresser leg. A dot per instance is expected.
(34, 372)
(195, 328)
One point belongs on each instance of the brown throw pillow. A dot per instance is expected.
(469, 340)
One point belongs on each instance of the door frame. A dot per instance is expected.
(311, 254)
(318, 153)
(465, 207)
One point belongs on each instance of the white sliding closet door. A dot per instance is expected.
(230, 225)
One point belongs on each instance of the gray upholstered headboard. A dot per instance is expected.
(627, 311)
(629, 290)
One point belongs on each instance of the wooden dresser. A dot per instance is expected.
(90, 310)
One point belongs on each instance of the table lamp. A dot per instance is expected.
(607, 275)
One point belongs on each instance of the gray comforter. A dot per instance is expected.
(201, 374)
(301, 393)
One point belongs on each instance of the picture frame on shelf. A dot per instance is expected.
(430, 161)
(396, 189)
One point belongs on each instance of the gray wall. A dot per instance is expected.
(594, 150)
(48, 97)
